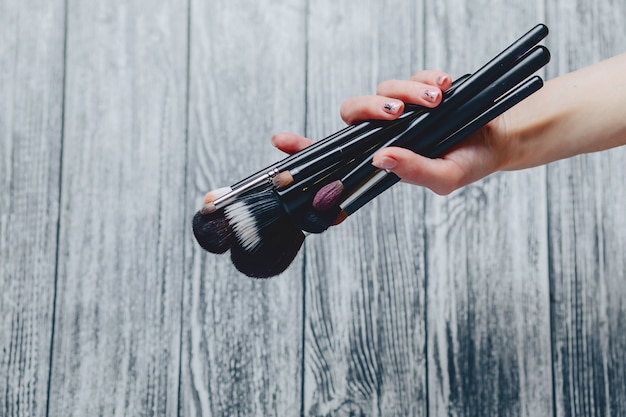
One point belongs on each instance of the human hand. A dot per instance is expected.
(478, 156)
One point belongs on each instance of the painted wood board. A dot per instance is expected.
(364, 299)
(31, 105)
(118, 307)
(242, 339)
(488, 317)
(587, 234)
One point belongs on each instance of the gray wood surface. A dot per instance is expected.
(587, 236)
(242, 340)
(31, 103)
(118, 316)
(504, 298)
(488, 294)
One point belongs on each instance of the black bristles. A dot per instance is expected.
(315, 221)
(213, 231)
(281, 241)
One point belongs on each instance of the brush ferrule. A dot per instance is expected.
(250, 185)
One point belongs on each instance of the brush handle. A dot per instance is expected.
(432, 130)
(383, 180)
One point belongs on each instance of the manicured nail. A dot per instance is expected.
(384, 162)
(431, 95)
(442, 79)
(391, 107)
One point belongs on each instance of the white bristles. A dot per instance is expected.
(250, 215)
(244, 225)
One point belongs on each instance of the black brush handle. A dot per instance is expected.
(388, 179)
(433, 130)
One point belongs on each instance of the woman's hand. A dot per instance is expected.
(575, 113)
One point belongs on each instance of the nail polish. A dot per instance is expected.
(442, 79)
(384, 162)
(391, 107)
(431, 95)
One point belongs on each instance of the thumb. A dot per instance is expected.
(440, 175)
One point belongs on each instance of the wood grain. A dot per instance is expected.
(504, 298)
(242, 340)
(587, 239)
(488, 295)
(118, 310)
(364, 307)
(31, 103)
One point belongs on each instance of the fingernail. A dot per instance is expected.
(430, 95)
(442, 79)
(391, 107)
(384, 162)
(274, 140)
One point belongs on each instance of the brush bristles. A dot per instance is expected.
(281, 243)
(282, 180)
(328, 196)
(212, 231)
(244, 225)
(251, 214)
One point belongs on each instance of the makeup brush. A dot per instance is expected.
(211, 228)
(267, 233)
(263, 252)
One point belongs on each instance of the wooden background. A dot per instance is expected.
(505, 298)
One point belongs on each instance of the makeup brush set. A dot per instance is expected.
(264, 218)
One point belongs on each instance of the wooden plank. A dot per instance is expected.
(118, 310)
(587, 239)
(488, 295)
(31, 102)
(364, 306)
(242, 340)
